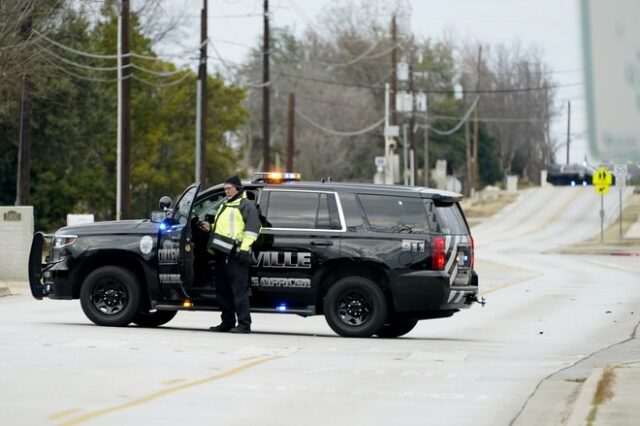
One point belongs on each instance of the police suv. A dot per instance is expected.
(373, 259)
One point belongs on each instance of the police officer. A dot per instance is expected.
(235, 229)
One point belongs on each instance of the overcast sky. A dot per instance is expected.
(553, 26)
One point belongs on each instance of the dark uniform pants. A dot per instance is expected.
(232, 290)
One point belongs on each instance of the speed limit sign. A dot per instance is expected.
(620, 170)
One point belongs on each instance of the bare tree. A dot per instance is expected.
(516, 98)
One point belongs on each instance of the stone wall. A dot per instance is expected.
(16, 232)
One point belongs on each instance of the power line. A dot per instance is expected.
(81, 77)
(76, 51)
(161, 85)
(456, 127)
(339, 132)
(159, 73)
(99, 56)
(433, 91)
(79, 65)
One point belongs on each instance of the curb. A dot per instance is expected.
(4, 291)
(583, 405)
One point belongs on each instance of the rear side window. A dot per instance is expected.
(352, 213)
(448, 218)
(302, 210)
(393, 214)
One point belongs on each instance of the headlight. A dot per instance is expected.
(59, 247)
(60, 241)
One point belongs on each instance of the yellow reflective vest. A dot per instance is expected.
(238, 219)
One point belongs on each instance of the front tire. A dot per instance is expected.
(153, 319)
(397, 329)
(110, 296)
(355, 307)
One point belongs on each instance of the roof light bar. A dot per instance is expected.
(275, 177)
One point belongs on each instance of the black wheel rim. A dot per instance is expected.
(109, 297)
(355, 308)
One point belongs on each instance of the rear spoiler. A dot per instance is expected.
(441, 195)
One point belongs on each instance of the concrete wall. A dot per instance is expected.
(512, 183)
(16, 232)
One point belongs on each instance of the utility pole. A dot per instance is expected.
(290, 131)
(412, 118)
(426, 152)
(467, 144)
(266, 163)
(568, 129)
(201, 113)
(394, 73)
(23, 184)
(123, 202)
(475, 168)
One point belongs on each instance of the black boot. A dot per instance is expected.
(222, 328)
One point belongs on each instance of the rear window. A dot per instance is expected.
(447, 218)
(393, 214)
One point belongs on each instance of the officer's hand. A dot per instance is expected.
(244, 257)
(205, 226)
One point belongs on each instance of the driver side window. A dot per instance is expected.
(208, 206)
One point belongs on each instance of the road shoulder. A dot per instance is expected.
(569, 396)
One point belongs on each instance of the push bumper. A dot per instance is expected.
(47, 279)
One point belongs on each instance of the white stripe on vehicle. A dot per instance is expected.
(453, 274)
(451, 242)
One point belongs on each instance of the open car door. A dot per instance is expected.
(175, 247)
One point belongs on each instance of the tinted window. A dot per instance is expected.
(352, 213)
(449, 219)
(209, 206)
(302, 210)
(324, 221)
(400, 215)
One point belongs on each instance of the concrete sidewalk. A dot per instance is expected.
(9, 288)
(601, 389)
(609, 397)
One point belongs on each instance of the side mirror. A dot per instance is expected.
(165, 203)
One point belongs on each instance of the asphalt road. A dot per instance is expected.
(545, 313)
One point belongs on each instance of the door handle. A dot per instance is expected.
(322, 243)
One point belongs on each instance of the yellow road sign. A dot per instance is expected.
(602, 189)
(602, 177)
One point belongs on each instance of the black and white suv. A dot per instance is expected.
(373, 259)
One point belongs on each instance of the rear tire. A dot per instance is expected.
(110, 296)
(153, 319)
(397, 329)
(355, 307)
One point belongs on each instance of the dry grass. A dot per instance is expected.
(485, 205)
(611, 237)
(604, 392)
(630, 213)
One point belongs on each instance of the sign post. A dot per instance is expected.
(620, 170)
(601, 181)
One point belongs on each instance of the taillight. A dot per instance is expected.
(473, 251)
(438, 253)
